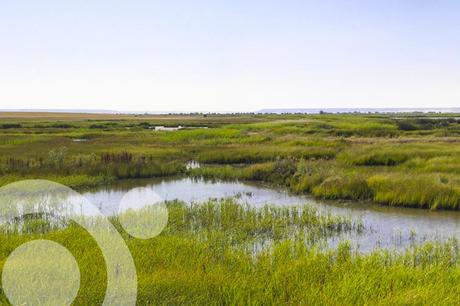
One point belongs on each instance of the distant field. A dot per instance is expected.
(90, 116)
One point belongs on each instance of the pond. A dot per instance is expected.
(384, 227)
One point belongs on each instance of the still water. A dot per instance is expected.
(384, 227)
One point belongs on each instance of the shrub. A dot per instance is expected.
(283, 170)
(97, 126)
(406, 125)
(10, 126)
(62, 126)
(57, 156)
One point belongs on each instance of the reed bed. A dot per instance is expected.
(204, 257)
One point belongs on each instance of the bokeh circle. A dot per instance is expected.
(142, 213)
(41, 272)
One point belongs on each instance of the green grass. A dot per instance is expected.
(258, 154)
(334, 156)
(422, 191)
(223, 253)
(73, 181)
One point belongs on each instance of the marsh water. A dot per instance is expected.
(384, 227)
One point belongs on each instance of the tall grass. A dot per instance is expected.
(423, 191)
(348, 187)
(257, 154)
(203, 258)
(86, 170)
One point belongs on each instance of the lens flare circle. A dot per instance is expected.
(41, 272)
(42, 197)
(142, 213)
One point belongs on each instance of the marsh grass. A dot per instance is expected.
(225, 253)
(335, 156)
(203, 257)
(259, 154)
(423, 191)
(77, 180)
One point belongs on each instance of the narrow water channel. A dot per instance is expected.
(384, 227)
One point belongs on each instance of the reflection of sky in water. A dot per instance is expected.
(384, 226)
(195, 191)
(50, 202)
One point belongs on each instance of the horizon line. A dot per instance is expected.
(261, 111)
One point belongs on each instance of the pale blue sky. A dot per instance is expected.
(229, 55)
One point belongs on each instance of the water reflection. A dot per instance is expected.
(386, 227)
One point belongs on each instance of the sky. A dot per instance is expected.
(239, 55)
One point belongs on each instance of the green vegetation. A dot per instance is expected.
(401, 160)
(225, 253)
(222, 252)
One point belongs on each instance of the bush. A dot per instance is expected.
(10, 126)
(283, 170)
(57, 156)
(406, 125)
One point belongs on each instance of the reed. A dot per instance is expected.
(206, 255)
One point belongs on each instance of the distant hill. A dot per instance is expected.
(357, 110)
(262, 111)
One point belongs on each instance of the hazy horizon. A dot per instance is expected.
(265, 110)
